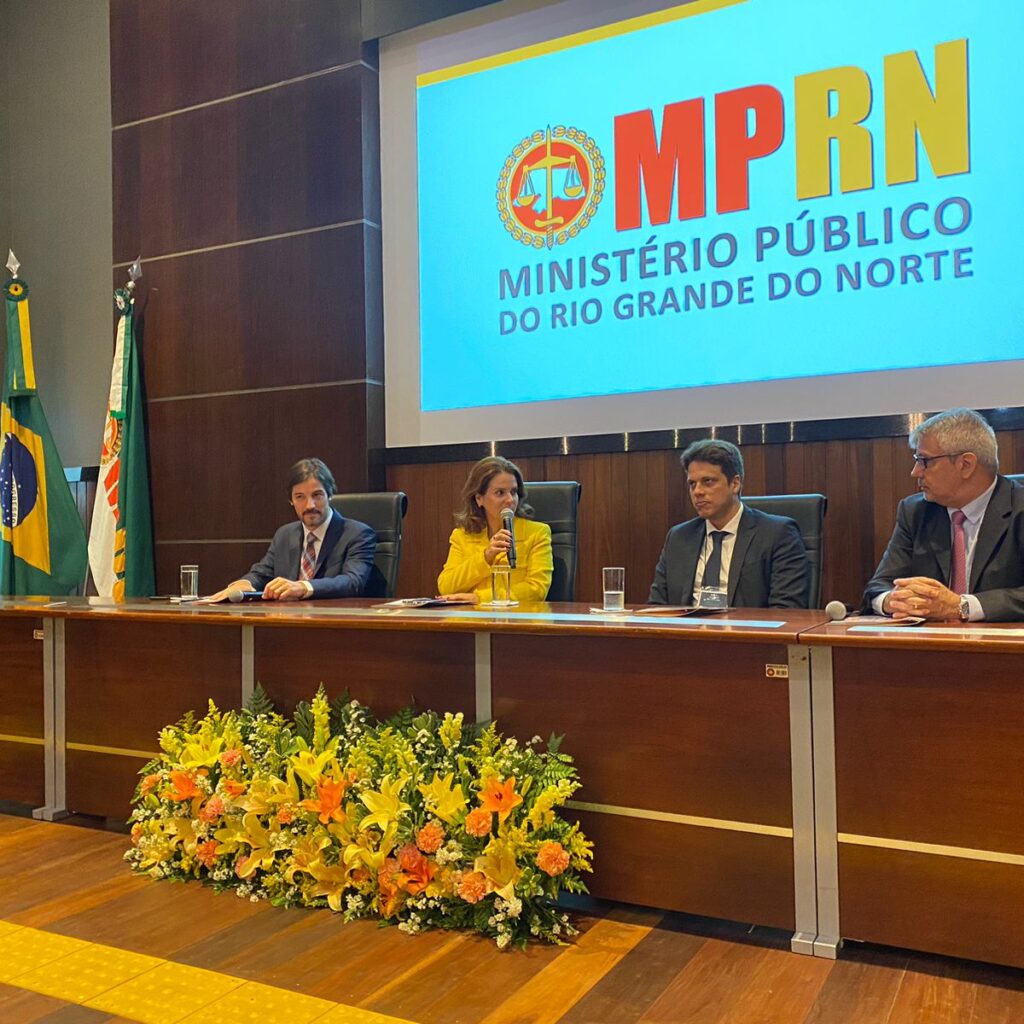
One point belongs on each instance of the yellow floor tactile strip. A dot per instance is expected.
(168, 993)
(85, 973)
(151, 990)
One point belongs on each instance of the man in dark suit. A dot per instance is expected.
(322, 555)
(759, 558)
(957, 552)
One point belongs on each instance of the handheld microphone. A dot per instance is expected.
(238, 596)
(508, 521)
(836, 611)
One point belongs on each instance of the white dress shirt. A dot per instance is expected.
(974, 515)
(728, 544)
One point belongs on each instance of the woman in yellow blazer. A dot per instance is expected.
(479, 541)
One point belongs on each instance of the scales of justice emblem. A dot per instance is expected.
(550, 186)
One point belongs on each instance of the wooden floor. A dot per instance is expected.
(83, 940)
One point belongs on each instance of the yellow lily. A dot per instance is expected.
(330, 881)
(444, 799)
(498, 864)
(261, 847)
(202, 752)
(386, 804)
(309, 766)
(304, 854)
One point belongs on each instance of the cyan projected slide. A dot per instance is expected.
(759, 191)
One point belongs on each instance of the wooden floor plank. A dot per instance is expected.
(927, 998)
(550, 993)
(705, 989)
(629, 966)
(859, 991)
(635, 982)
(782, 989)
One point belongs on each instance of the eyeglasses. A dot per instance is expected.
(924, 461)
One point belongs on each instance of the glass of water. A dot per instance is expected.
(501, 587)
(189, 582)
(614, 580)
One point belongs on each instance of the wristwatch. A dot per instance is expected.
(965, 609)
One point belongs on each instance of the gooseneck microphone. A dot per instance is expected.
(836, 611)
(508, 521)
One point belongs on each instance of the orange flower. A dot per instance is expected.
(285, 816)
(552, 858)
(230, 758)
(148, 784)
(478, 822)
(416, 871)
(232, 788)
(473, 887)
(389, 897)
(430, 837)
(330, 795)
(183, 786)
(136, 833)
(206, 853)
(212, 810)
(500, 796)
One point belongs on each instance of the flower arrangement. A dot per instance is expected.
(423, 820)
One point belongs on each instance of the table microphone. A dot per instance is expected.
(507, 522)
(836, 611)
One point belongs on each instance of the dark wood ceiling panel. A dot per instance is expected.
(169, 54)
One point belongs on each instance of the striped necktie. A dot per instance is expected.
(308, 566)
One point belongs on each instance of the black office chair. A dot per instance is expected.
(809, 512)
(383, 512)
(554, 502)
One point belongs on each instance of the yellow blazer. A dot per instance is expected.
(466, 570)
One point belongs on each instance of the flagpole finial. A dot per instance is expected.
(134, 273)
(12, 262)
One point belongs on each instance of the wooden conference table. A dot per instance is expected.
(763, 766)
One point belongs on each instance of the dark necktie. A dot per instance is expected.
(713, 566)
(958, 556)
(308, 566)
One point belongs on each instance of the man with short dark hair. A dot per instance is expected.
(957, 551)
(322, 555)
(759, 559)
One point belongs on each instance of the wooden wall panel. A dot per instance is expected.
(733, 875)
(630, 500)
(939, 904)
(219, 464)
(124, 702)
(434, 671)
(255, 316)
(169, 54)
(235, 123)
(21, 677)
(274, 161)
(942, 734)
(653, 727)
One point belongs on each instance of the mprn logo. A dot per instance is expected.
(550, 186)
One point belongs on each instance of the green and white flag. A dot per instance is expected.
(42, 539)
(121, 541)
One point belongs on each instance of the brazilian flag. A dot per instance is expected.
(42, 539)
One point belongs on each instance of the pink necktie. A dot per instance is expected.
(958, 560)
(308, 566)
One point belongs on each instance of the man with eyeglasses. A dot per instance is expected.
(957, 552)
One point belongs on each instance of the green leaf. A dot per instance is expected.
(304, 723)
(259, 703)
